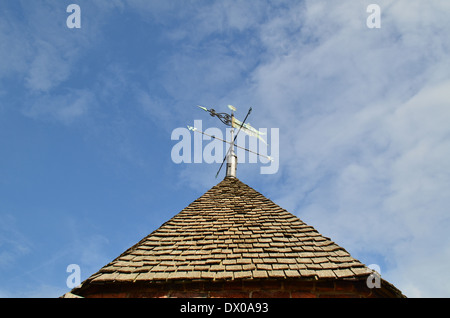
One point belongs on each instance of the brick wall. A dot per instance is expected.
(238, 289)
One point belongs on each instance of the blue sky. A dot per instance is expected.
(86, 117)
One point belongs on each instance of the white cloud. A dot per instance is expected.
(15, 49)
(48, 69)
(64, 108)
(153, 107)
(363, 119)
(40, 53)
(37, 48)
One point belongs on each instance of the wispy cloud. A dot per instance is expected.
(48, 69)
(363, 120)
(40, 53)
(13, 244)
(64, 108)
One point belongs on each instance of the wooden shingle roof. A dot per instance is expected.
(231, 232)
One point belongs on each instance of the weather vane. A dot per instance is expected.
(233, 122)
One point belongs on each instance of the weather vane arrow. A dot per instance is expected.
(232, 121)
(224, 117)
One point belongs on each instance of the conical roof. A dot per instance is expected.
(230, 233)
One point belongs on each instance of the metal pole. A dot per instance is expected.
(231, 159)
